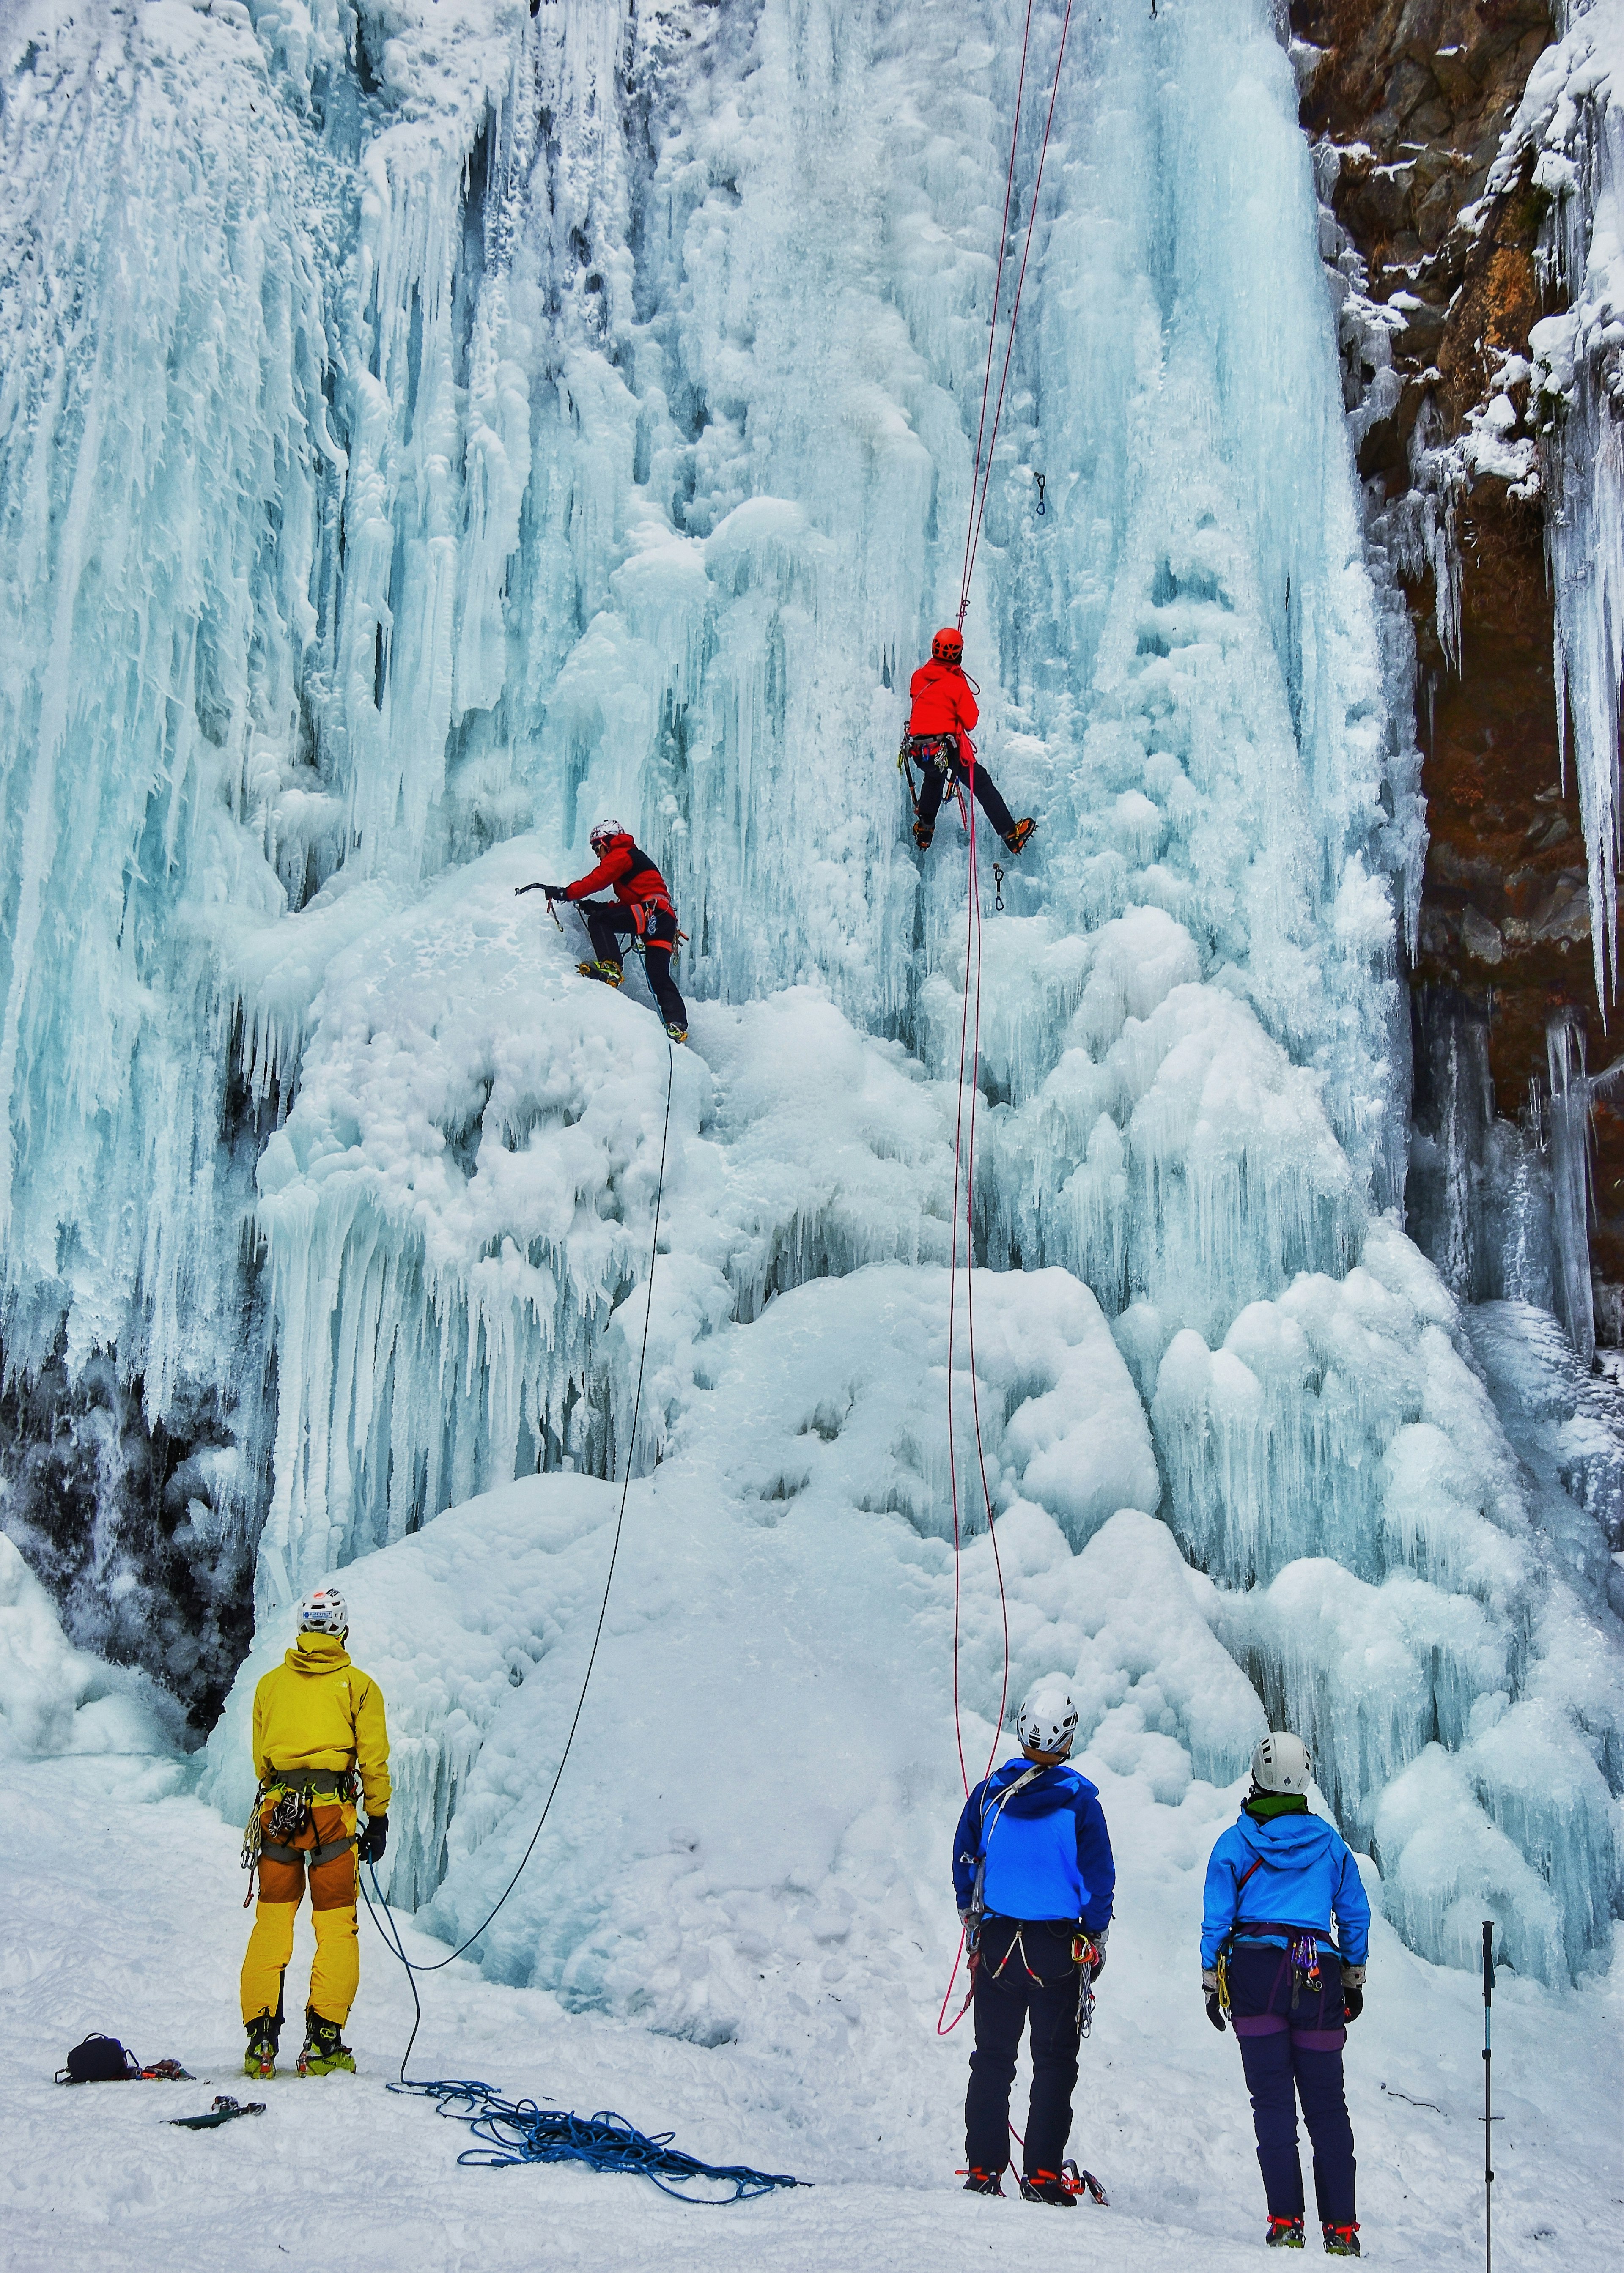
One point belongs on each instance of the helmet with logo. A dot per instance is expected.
(1281, 1763)
(603, 832)
(1047, 1721)
(948, 645)
(324, 1610)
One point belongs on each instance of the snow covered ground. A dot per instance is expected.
(120, 1893)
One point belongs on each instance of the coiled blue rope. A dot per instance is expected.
(511, 2131)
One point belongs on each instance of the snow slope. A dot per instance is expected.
(120, 1893)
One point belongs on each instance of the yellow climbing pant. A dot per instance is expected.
(335, 1973)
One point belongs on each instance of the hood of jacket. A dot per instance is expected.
(1302, 1836)
(1051, 1788)
(317, 1652)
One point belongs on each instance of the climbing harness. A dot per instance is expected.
(412, 1967)
(291, 1792)
(510, 2131)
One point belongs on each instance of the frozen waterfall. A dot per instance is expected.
(425, 429)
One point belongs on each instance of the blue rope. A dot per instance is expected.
(512, 2131)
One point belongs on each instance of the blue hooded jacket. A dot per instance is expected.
(1049, 1853)
(1307, 1875)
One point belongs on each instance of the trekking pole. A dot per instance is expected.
(1488, 2105)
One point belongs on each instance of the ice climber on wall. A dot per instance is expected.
(317, 1725)
(1035, 1878)
(938, 742)
(1275, 1881)
(641, 909)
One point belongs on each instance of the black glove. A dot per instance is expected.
(373, 1839)
(1353, 2001)
(553, 891)
(1215, 2011)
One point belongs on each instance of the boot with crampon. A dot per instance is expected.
(984, 2182)
(260, 2061)
(611, 973)
(1020, 835)
(1341, 2240)
(323, 2049)
(1284, 2233)
(1047, 2187)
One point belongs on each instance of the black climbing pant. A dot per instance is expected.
(608, 922)
(1291, 2054)
(934, 788)
(1025, 1973)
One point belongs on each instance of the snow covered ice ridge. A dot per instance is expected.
(530, 419)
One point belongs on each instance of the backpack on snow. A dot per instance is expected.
(100, 2059)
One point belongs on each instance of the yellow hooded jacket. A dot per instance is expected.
(317, 1710)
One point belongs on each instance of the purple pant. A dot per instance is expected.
(1291, 2055)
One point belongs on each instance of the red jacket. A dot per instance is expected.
(943, 703)
(637, 882)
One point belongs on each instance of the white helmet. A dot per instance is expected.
(603, 831)
(1281, 1763)
(324, 1611)
(1047, 1721)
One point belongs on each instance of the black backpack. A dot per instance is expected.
(99, 2059)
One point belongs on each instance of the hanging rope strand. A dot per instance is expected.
(392, 1940)
(979, 503)
(992, 328)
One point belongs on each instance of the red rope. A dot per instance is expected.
(970, 1037)
(984, 475)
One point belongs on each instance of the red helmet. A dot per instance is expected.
(948, 645)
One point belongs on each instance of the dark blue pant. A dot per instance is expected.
(1290, 2055)
(932, 788)
(607, 923)
(1008, 1990)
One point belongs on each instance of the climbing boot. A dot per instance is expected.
(677, 1033)
(323, 2051)
(611, 973)
(1020, 835)
(1047, 2187)
(984, 2182)
(1284, 2233)
(1341, 2240)
(923, 831)
(260, 2061)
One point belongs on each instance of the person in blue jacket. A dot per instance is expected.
(1275, 1881)
(1035, 1878)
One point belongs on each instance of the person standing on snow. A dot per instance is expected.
(1274, 1882)
(317, 1724)
(938, 741)
(641, 909)
(1035, 1878)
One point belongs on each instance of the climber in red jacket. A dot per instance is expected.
(641, 909)
(938, 740)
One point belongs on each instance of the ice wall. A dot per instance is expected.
(552, 415)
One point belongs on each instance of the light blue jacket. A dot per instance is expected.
(1306, 1877)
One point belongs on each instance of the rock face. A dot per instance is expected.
(1408, 101)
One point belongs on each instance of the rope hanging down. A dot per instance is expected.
(969, 1029)
(982, 479)
(392, 1939)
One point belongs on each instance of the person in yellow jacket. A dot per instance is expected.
(318, 1726)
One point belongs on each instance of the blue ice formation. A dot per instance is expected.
(425, 429)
